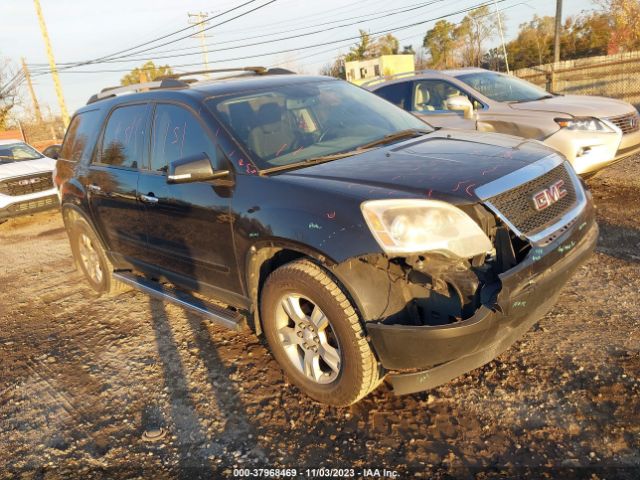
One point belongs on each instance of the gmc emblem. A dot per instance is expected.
(549, 196)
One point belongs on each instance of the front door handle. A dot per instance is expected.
(150, 199)
(94, 188)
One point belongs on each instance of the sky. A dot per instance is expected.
(88, 29)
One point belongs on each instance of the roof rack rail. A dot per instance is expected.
(255, 70)
(136, 87)
(174, 81)
(384, 78)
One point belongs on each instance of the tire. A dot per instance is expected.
(91, 258)
(301, 287)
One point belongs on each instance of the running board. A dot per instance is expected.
(221, 316)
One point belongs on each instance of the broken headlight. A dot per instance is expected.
(419, 226)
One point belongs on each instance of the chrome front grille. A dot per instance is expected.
(518, 206)
(27, 184)
(628, 123)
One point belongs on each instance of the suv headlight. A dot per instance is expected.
(417, 226)
(585, 124)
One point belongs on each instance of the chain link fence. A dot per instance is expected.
(615, 76)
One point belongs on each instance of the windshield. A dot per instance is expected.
(504, 88)
(16, 152)
(300, 122)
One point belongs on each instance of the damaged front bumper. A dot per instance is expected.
(528, 291)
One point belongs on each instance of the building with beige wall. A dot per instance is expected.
(360, 71)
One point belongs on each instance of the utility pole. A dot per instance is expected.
(504, 48)
(36, 106)
(52, 65)
(199, 19)
(556, 44)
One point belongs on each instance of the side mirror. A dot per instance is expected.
(195, 168)
(52, 151)
(460, 103)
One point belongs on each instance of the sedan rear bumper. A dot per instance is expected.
(529, 290)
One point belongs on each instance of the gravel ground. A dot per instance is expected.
(128, 387)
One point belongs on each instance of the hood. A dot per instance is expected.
(26, 167)
(578, 106)
(446, 165)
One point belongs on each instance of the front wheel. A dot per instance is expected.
(315, 334)
(92, 258)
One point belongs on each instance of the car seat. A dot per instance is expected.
(423, 97)
(273, 133)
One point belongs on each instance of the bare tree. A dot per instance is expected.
(9, 81)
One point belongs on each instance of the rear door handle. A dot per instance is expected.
(150, 199)
(94, 188)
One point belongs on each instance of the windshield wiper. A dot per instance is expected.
(314, 160)
(544, 97)
(392, 137)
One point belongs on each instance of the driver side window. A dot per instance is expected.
(177, 134)
(432, 95)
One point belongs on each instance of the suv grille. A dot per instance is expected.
(38, 204)
(628, 123)
(28, 184)
(517, 205)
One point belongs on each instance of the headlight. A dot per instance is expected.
(586, 124)
(418, 226)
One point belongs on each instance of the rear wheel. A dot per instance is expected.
(315, 334)
(92, 258)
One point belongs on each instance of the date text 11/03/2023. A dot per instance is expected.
(333, 473)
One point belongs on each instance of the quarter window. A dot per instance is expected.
(124, 137)
(177, 134)
(80, 136)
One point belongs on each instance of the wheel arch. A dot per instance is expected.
(262, 261)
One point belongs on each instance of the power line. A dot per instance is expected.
(112, 56)
(333, 42)
(189, 49)
(161, 57)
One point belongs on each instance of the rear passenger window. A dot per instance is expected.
(124, 137)
(177, 134)
(81, 135)
(399, 94)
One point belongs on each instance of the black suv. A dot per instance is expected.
(359, 241)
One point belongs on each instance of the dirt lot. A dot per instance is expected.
(86, 382)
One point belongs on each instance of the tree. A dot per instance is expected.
(334, 69)
(408, 50)
(440, 43)
(477, 27)
(8, 93)
(361, 50)
(625, 19)
(386, 45)
(146, 73)
(586, 35)
(534, 43)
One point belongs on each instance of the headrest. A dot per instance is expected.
(269, 113)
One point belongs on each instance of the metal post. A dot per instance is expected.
(52, 65)
(200, 22)
(504, 48)
(27, 76)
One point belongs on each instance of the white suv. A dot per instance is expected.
(26, 184)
